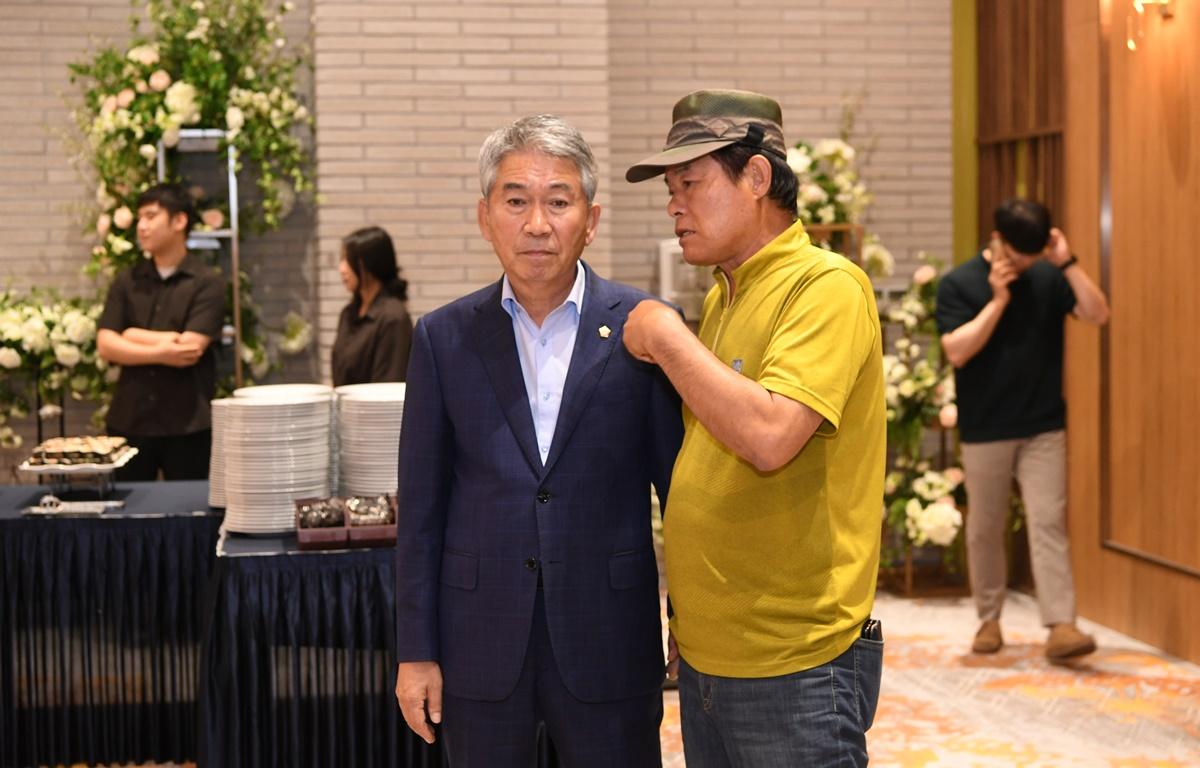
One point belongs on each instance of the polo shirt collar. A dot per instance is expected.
(792, 240)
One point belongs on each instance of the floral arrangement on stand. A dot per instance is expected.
(831, 191)
(214, 64)
(48, 346)
(206, 63)
(921, 502)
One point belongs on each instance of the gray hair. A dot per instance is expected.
(548, 134)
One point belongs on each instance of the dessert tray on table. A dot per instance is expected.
(73, 463)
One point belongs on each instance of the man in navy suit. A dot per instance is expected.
(526, 582)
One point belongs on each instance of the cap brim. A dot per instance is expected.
(655, 164)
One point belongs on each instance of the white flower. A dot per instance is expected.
(799, 160)
(35, 336)
(122, 217)
(79, 327)
(948, 416)
(288, 6)
(826, 214)
(109, 105)
(248, 73)
(125, 97)
(297, 334)
(891, 395)
(301, 113)
(837, 152)
(181, 100)
(938, 523)
(280, 42)
(170, 138)
(103, 224)
(49, 411)
(119, 245)
(148, 151)
(146, 55)
(877, 260)
(907, 388)
(234, 119)
(67, 355)
(200, 31)
(104, 199)
(160, 80)
(9, 358)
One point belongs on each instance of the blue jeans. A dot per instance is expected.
(818, 717)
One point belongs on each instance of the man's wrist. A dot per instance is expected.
(1068, 263)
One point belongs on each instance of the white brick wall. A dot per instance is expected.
(809, 55)
(405, 94)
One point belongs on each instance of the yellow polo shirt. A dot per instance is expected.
(774, 573)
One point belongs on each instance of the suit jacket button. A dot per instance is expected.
(543, 495)
(531, 564)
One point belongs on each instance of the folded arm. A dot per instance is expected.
(143, 347)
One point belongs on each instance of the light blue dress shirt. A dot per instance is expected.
(545, 354)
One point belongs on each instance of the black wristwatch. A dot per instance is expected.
(1066, 264)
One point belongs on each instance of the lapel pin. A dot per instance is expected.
(605, 331)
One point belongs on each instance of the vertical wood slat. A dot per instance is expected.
(1020, 49)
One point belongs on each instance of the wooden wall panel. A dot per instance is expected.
(1110, 453)
(1156, 199)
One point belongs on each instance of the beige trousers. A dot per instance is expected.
(1039, 465)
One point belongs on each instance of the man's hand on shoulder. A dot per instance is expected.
(649, 322)
(419, 692)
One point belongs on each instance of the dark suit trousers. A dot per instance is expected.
(503, 734)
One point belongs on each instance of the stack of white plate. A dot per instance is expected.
(275, 449)
(368, 437)
(285, 392)
(216, 456)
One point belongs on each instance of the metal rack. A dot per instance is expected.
(198, 140)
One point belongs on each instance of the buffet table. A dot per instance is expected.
(298, 664)
(99, 626)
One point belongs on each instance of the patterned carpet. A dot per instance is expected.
(1125, 706)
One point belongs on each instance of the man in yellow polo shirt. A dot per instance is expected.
(773, 526)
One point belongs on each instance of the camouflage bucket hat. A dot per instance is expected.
(705, 121)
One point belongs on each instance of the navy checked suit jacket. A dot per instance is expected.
(480, 516)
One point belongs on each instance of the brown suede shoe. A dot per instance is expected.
(988, 639)
(1067, 642)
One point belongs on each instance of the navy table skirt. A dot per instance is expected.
(298, 665)
(100, 620)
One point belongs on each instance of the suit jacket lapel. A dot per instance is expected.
(592, 351)
(497, 347)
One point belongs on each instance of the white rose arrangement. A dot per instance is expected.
(47, 344)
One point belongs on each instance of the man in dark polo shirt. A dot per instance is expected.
(159, 321)
(1000, 316)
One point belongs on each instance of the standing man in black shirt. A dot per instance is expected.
(160, 319)
(1000, 316)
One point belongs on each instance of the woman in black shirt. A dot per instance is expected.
(374, 331)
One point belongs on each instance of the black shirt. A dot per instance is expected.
(373, 347)
(1013, 387)
(161, 400)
